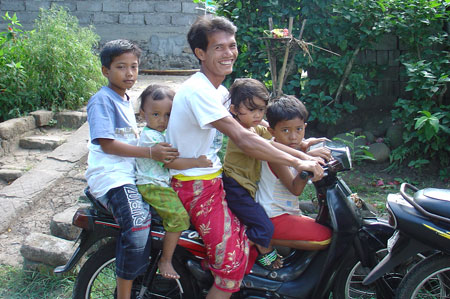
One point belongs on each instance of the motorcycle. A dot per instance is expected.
(422, 223)
(357, 240)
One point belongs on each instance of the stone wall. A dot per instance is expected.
(159, 27)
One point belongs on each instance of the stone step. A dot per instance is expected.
(41, 142)
(61, 224)
(46, 249)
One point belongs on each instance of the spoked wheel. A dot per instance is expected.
(349, 285)
(429, 279)
(97, 279)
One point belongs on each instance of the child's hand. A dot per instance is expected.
(322, 153)
(204, 162)
(164, 152)
(306, 143)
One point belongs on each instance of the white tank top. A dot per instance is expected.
(273, 196)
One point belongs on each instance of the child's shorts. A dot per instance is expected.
(167, 204)
(252, 214)
(294, 227)
(134, 217)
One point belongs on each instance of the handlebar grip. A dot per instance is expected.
(304, 175)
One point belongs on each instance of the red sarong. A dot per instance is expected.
(224, 236)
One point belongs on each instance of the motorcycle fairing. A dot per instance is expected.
(414, 224)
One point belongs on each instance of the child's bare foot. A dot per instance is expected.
(167, 271)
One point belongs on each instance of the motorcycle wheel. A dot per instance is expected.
(429, 279)
(348, 283)
(97, 279)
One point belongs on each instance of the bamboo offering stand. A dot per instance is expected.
(288, 46)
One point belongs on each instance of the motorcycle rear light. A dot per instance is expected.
(81, 219)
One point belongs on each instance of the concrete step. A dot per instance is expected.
(46, 249)
(61, 224)
(41, 142)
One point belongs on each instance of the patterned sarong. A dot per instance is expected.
(224, 236)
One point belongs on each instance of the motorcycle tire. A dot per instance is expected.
(97, 279)
(428, 279)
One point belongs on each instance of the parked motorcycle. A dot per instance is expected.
(422, 223)
(357, 241)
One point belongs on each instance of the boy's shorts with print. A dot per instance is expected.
(133, 243)
(168, 206)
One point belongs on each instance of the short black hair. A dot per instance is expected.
(115, 48)
(205, 25)
(286, 107)
(243, 90)
(155, 92)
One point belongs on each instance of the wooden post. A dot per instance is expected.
(285, 59)
(272, 59)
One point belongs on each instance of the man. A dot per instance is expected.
(198, 118)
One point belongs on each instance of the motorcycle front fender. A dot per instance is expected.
(404, 248)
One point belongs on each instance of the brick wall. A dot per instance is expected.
(159, 27)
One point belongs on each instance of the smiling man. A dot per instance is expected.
(199, 117)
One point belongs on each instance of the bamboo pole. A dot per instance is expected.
(272, 59)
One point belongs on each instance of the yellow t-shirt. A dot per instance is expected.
(244, 169)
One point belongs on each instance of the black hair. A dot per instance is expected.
(286, 107)
(156, 92)
(243, 90)
(115, 48)
(205, 25)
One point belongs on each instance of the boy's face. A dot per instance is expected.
(123, 72)
(219, 57)
(289, 132)
(249, 117)
(157, 113)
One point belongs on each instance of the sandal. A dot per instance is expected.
(268, 260)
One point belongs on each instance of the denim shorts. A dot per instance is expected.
(134, 217)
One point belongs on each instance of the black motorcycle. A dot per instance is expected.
(422, 223)
(358, 243)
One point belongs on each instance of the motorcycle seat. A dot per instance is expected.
(436, 201)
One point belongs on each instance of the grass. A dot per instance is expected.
(16, 283)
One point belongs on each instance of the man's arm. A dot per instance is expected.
(297, 153)
(186, 163)
(162, 152)
(259, 148)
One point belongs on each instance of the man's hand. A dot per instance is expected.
(311, 166)
(164, 152)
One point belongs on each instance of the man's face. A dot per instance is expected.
(219, 57)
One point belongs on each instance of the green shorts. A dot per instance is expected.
(167, 204)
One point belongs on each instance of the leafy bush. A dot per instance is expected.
(13, 88)
(425, 117)
(52, 67)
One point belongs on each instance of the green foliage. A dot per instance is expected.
(52, 67)
(351, 28)
(426, 119)
(64, 71)
(359, 152)
(13, 88)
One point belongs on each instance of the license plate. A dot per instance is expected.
(392, 240)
